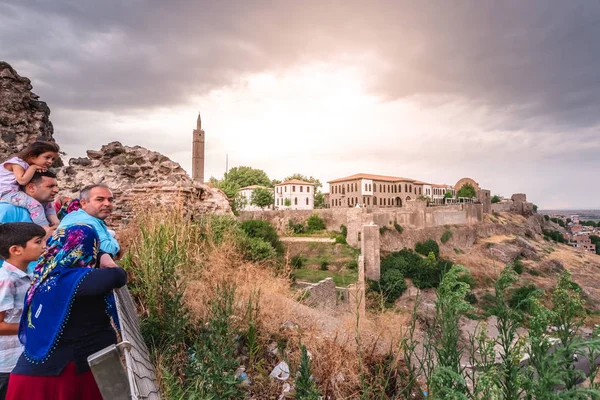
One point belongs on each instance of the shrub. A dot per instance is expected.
(428, 246)
(535, 208)
(392, 285)
(352, 265)
(344, 230)
(520, 297)
(398, 227)
(296, 228)
(297, 261)
(446, 236)
(496, 199)
(324, 265)
(383, 229)
(518, 266)
(547, 217)
(315, 223)
(257, 249)
(471, 298)
(553, 235)
(340, 239)
(306, 389)
(258, 228)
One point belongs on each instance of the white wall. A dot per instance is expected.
(299, 199)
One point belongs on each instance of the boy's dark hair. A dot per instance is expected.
(37, 148)
(18, 234)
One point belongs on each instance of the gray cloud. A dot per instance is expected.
(538, 58)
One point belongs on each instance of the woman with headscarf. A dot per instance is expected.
(66, 317)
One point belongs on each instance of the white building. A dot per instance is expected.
(438, 193)
(246, 194)
(299, 195)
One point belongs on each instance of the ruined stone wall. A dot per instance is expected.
(322, 295)
(140, 179)
(502, 207)
(417, 217)
(23, 117)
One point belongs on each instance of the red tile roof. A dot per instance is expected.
(373, 177)
(294, 182)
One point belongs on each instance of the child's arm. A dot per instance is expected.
(7, 329)
(23, 177)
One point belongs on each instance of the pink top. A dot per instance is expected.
(8, 182)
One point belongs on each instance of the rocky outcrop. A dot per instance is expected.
(140, 178)
(23, 117)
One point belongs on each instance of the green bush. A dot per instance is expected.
(518, 266)
(315, 223)
(324, 265)
(258, 228)
(257, 249)
(344, 230)
(496, 199)
(297, 261)
(352, 265)
(553, 235)
(471, 298)
(306, 389)
(340, 239)
(383, 229)
(296, 228)
(520, 297)
(428, 246)
(398, 227)
(447, 235)
(547, 217)
(392, 285)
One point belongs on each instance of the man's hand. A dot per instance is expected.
(106, 261)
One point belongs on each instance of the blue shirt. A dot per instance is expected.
(108, 243)
(10, 213)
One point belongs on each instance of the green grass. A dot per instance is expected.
(343, 278)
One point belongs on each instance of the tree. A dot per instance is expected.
(448, 195)
(319, 200)
(467, 190)
(496, 199)
(287, 202)
(247, 176)
(261, 197)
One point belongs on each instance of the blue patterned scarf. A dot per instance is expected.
(71, 254)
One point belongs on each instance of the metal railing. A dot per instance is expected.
(124, 371)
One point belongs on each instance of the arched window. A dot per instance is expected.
(406, 187)
(307, 201)
(295, 201)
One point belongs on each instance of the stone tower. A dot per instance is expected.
(198, 152)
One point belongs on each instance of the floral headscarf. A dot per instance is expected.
(71, 254)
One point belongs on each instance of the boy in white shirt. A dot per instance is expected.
(20, 244)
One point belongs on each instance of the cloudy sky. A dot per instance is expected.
(505, 92)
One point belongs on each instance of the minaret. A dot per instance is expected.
(198, 152)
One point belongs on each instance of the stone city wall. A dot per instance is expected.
(415, 216)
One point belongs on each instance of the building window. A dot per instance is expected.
(295, 201)
(308, 189)
(369, 187)
(307, 201)
(301, 188)
(405, 187)
(366, 187)
(375, 188)
(293, 188)
(285, 188)
(420, 190)
(410, 188)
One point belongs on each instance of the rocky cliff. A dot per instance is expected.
(23, 117)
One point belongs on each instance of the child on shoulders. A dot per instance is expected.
(20, 244)
(18, 171)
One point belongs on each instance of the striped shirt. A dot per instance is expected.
(13, 287)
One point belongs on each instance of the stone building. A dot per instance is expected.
(246, 194)
(299, 195)
(582, 242)
(438, 193)
(368, 190)
(198, 143)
